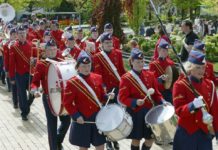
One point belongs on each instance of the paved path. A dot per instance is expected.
(16, 134)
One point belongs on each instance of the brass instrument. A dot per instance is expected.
(7, 12)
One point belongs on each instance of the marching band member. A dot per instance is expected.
(79, 37)
(19, 69)
(32, 32)
(162, 38)
(46, 36)
(209, 72)
(55, 32)
(192, 133)
(109, 64)
(67, 33)
(6, 47)
(108, 28)
(83, 96)
(93, 38)
(73, 50)
(41, 31)
(134, 95)
(159, 66)
(55, 136)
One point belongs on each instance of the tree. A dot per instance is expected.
(136, 11)
(108, 11)
(30, 4)
(85, 8)
(187, 5)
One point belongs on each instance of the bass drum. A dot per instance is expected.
(58, 74)
(163, 122)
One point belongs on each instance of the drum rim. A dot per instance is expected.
(61, 84)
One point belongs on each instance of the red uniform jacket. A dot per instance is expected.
(6, 56)
(209, 73)
(40, 75)
(75, 52)
(40, 35)
(20, 58)
(182, 99)
(102, 67)
(130, 90)
(78, 100)
(81, 45)
(158, 67)
(56, 35)
(116, 42)
(32, 35)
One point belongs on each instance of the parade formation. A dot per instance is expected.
(83, 84)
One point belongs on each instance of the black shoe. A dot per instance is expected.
(60, 147)
(15, 106)
(116, 145)
(109, 146)
(24, 118)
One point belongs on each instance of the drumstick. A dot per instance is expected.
(149, 93)
(89, 122)
(109, 97)
(60, 59)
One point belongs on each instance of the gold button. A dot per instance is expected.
(196, 121)
(90, 107)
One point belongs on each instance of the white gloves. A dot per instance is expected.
(198, 102)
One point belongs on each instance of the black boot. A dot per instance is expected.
(60, 146)
(144, 147)
(134, 147)
(3, 78)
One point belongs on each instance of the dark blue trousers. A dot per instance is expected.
(55, 136)
(2, 72)
(14, 93)
(22, 82)
(140, 128)
(167, 94)
(197, 141)
(8, 84)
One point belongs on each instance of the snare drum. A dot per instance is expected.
(114, 122)
(58, 74)
(163, 122)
